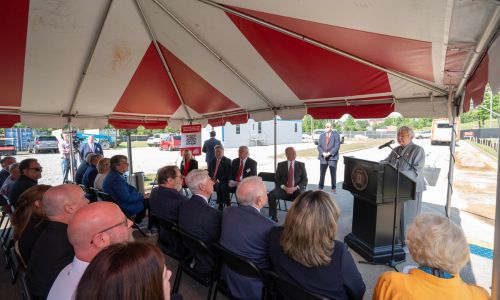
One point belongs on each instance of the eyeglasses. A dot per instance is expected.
(327, 126)
(36, 169)
(123, 223)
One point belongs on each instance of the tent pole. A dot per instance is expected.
(129, 154)
(495, 285)
(451, 167)
(275, 140)
(71, 152)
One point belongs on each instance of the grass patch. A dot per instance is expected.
(136, 144)
(475, 124)
(350, 145)
(485, 149)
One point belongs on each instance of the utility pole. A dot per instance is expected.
(491, 107)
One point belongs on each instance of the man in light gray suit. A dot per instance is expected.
(411, 164)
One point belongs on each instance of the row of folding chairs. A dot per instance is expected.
(275, 288)
(14, 265)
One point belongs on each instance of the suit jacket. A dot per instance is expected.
(128, 198)
(224, 170)
(332, 148)
(82, 168)
(22, 184)
(208, 148)
(340, 279)
(89, 176)
(244, 232)
(415, 155)
(85, 149)
(299, 174)
(193, 165)
(4, 174)
(249, 169)
(201, 220)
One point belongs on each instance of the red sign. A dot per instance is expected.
(191, 138)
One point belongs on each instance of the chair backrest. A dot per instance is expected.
(105, 196)
(290, 291)
(237, 263)
(193, 243)
(267, 176)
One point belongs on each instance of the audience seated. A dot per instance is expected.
(241, 167)
(200, 219)
(305, 252)
(5, 163)
(103, 170)
(93, 228)
(188, 163)
(6, 188)
(128, 271)
(29, 220)
(440, 249)
(127, 196)
(165, 202)
(290, 180)
(82, 168)
(244, 232)
(219, 169)
(52, 251)
(30, 171)
(91, 172)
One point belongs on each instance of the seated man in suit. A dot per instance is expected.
(219, 170)
(241, 167)
(244, 232)
(290, 180)
(200, 219)
(125, 195)
(165, 202)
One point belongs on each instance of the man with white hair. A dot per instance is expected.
(198, 218)
(411, 160)
(93, 228)
(244, 232)
(89, 147)
(53, 251)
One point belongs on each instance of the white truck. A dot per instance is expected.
(441, 131)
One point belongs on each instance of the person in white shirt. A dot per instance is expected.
(93, 228)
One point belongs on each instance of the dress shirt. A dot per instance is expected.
(67, 281)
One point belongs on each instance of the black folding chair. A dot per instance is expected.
(15, 264)
(238, 264)
(89, 193)
(26, 291)
(166, 228)
(285, 290)
(268, 177)
(107, 197)
(199, 247)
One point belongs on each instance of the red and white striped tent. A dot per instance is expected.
(159, 62)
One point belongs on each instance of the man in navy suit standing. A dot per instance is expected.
(89, 147)
(219, 169)
(244, 232)
(209, 147)
(328, 148)
(200, 219)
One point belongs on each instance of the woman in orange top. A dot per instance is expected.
(440, 249)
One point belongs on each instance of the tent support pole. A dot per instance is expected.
(71, 152)
(495, 285)
(129, 154)
(275, 122)
(451, 167)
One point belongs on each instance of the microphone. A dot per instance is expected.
(386, 144)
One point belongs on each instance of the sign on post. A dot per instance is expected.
(191, 138)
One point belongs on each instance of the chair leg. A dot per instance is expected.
(210, 291)
(177, 280)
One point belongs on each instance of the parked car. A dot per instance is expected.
(171, 142)
(318, 132)
(48, 143)
(7, 146)
(155, 140)
(423, 134)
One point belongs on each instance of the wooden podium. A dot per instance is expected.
(373, 186)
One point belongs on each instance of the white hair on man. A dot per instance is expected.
(249, 190)
(195, 178)
(407, 129)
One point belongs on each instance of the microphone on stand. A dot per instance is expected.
(386, 144)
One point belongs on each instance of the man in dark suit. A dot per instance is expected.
(219, 170)
(4, 173)
(328, 148)
(290, 180)
(244, 232)
(209, 147)
(241, 167)
(30, 171)
(89, 147)
(165, 202)
(200, 219)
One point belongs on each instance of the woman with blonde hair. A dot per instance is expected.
(440, 249)
(103, 168)
(305, 252)
(187, 165)
(29, 220)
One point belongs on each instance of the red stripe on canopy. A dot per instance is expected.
(7, 121)
(132, 124)
(356, 111)
(309, 71)
(13, 31)
(236, 119)
(475, 86)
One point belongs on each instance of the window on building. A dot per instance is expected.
(295, 127)
(259, 127)
(238, 130)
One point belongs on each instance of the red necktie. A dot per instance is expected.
(216, 168)
(327, 140)
(240, 171)
(290, 176)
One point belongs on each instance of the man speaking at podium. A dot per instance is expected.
(411, 164)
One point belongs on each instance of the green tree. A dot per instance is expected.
(481, 113)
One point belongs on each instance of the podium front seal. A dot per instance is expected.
(359, 178)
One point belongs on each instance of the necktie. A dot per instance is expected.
(327, 140)
(91, 147)
(240, 171)
(216, 168)
(290, 176)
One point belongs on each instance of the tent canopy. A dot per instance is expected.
(159, 62)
